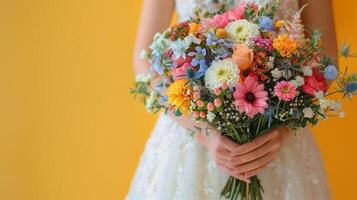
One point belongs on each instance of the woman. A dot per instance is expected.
(175, 166)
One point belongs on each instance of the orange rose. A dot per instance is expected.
(242, 56)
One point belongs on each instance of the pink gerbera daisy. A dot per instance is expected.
(250, 97)
(285, 91)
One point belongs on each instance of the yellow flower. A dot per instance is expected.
(221, 33)
(179, 95)
(279, 24)
(194, 27)
(284, 45)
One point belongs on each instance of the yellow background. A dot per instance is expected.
(69, 130)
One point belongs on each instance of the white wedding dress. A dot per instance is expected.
(176, 167)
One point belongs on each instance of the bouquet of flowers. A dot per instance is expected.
(243, 72)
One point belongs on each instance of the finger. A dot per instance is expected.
(224, 155)
(260, 162)
(254, 172)
(257, 153)
(228, 144)
(230, 172)
(259, 141)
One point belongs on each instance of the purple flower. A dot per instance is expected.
(263, 43)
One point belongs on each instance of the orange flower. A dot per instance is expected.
(242, 56)
(221, 33)
(194, 27)
(285, 45)
(279, 24)
(180, 95)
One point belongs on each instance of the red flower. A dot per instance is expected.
(314, 83)
(181, 65)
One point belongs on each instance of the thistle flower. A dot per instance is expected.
(350, 89)
(345, 50)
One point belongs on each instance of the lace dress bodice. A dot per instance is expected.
(185, 8)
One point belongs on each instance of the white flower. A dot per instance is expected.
(143, 78)
(210, 116)
(276, 73)
(308, 112)
(179, 47)
(242, 30)
(342, 114)
(307, 71)
(271, 59)
(221, 71)
(298, 81)
(320, 94)
(324, 103)
(160, 43)
(335, 105)
(330, 104)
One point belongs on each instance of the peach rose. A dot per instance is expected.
(242, 56)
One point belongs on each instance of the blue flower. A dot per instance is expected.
(331, 72)
(297, 114)
(156, 63)
(269, 113)
(266, 23)
(351, 88)
(198, 60)
(199, 56)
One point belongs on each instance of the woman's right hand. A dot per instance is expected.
(220, 148)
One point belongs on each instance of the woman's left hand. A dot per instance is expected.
(253, 157)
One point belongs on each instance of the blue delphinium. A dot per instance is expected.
(199, 56)
(199, 59)
(266, 23)
(331, 72)
(219, 47)
(156, 63)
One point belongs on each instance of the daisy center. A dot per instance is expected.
(285, 90)
(250, 97)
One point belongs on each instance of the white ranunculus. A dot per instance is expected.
(276, 73)
(222, 71)
(242, 30)
(320, 94)
(308, 112)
